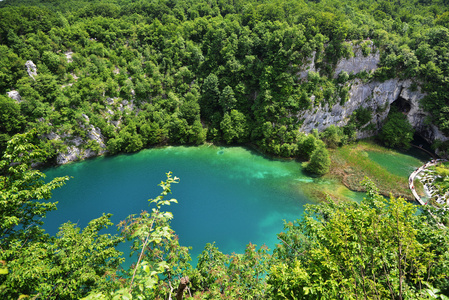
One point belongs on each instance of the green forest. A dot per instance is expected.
(110, 77)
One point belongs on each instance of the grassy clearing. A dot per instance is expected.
(350, 164)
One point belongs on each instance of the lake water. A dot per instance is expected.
(401, 164)
(231, 196)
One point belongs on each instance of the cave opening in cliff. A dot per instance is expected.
(423, 149)
(402, 105)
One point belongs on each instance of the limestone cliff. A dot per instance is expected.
(31, 68)
(78, 148)
(373, 95)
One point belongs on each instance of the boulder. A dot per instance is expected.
(72, 154)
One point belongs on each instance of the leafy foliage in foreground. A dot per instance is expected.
(68, 265)
(378, 249)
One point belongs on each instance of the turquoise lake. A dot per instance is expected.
(230, 196)
(401, 164)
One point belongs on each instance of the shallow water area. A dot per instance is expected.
(231, 196)
(401, 164)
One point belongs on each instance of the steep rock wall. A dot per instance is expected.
(373, 95)
(359, 62)
(76, 152)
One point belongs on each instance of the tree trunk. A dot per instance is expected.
(182, 286)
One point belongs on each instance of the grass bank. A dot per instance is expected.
(350, 165)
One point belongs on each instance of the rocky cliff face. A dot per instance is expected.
(359, 62)
(31, 68)
(374, 95)
(77, 147)
(15, 96)
(77, 152)
(354, 64)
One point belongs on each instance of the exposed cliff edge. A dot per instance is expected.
(76, 146)
(375, 96)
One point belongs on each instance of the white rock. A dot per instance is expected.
(71, 155)
(31, 68)
(74, 152)
(77, 141)
(68, 56)
(14, 95)
(358, 62)
(94, 133)
(52, 136)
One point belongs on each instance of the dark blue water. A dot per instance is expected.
(230, 196)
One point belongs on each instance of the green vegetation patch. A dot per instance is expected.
(352, 164)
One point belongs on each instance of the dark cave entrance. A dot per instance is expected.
(402, 105)
(423, 146)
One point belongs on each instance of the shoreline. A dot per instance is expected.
(349, 177)
(351, 164)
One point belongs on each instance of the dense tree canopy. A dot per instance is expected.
(147, 73)
(183, 72)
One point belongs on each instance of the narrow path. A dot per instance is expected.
(415, 173)
(412, 187)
